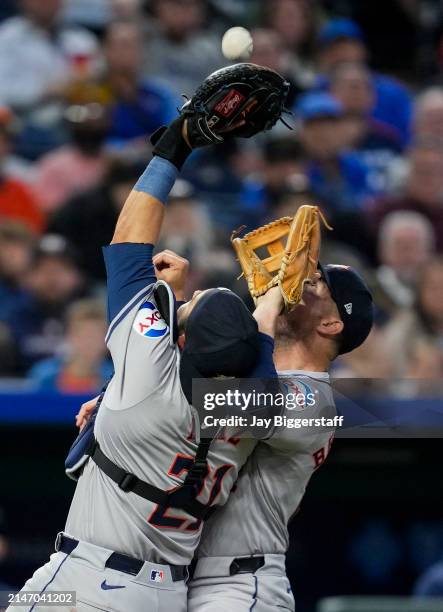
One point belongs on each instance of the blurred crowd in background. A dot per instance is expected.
(83, 84)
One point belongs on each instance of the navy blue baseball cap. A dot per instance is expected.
(337, 29)
(222, 339)
(354, 304)
(318, 105)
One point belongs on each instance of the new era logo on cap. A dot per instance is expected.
(348, 308)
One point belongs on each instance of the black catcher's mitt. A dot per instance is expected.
(239, 101)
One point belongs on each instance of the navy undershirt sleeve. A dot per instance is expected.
(265, 367)
(129, 269)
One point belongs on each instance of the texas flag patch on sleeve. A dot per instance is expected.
(149, 322)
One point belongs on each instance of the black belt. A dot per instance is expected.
(246, 565)
(119, 562)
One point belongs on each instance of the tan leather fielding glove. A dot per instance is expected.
(292, 246)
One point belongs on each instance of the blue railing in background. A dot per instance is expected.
(27, 406)
(30, 407)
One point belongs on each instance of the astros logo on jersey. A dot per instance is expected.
(303, 393)
(149, 322)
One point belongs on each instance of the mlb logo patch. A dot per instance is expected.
(157, 575)
(149, 321)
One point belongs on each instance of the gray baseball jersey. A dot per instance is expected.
(274, 479)
(146, 426)
(254, 520)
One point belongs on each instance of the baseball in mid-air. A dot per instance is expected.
(237, 43)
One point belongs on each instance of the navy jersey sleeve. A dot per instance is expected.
(129, 270)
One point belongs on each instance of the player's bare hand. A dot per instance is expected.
(85, 412)
(272, 300)
(269, 307)
(173, 269)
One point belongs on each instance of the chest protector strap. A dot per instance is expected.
(183, 497)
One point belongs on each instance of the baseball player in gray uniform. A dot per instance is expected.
(241, 556)
(123, 549)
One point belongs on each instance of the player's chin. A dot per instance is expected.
(310, 294)
(307, 298)
(305, 306)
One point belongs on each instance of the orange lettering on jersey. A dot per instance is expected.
(322, 453)
(331, 440)
(222, 436)
(319, 457)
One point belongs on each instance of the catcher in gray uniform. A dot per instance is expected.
(146, 483)
(241, 556)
